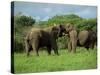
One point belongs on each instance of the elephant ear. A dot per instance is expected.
(62, 30)
(69, 27)
(55, 31)
(55, 28)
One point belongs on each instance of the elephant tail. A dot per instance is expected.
(78, 42)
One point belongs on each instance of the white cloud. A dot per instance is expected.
(47, 10)
(87, 13)
(37, 18)
(26, 14)
(45, 18)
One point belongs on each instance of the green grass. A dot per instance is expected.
(81, 60)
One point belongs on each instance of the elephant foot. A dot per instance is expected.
(37, 55)
(49, 54)
(57, 54)
(27, 55)
(72, 51)
(69, 50)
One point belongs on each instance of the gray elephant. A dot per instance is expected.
(46, 37)
(71, 32)
(87, 38)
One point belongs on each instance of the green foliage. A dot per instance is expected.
(87, 24)
(63, 19)
(77, 21)
(81, 60)
(62, 42)
(24, 20)
(22, 25)
(18, 43)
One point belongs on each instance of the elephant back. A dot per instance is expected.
(47, 29)
(53, 31)
(34, 33)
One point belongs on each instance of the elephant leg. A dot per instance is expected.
(55, 48)
(37, 53)
(74, 43)
(27, 47)
(35, 46)
(56, 51)
(27, 50)
(87, 48)
(49, 50)
(92, 45)
(69, 46)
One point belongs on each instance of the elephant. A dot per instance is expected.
(87, 38)
(71, 32)
(43, 37)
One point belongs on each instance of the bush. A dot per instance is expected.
(22, 25)
(18, 43)
(62, 42)
(23, 20)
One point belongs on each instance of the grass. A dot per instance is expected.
(81, 60)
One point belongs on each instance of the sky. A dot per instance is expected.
(44, 11)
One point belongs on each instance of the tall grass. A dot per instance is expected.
(81, 60)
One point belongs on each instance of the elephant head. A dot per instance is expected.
(70, 30)
(59, 30)
(62, 30)
(69, 27)
(65, 29)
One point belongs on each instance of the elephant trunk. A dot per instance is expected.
(73, 39)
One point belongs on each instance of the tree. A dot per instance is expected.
(24, 20)
(21, 25)
(87, 24)
(63, 19)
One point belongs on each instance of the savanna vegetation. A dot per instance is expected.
(23, 23)
(83, 59)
